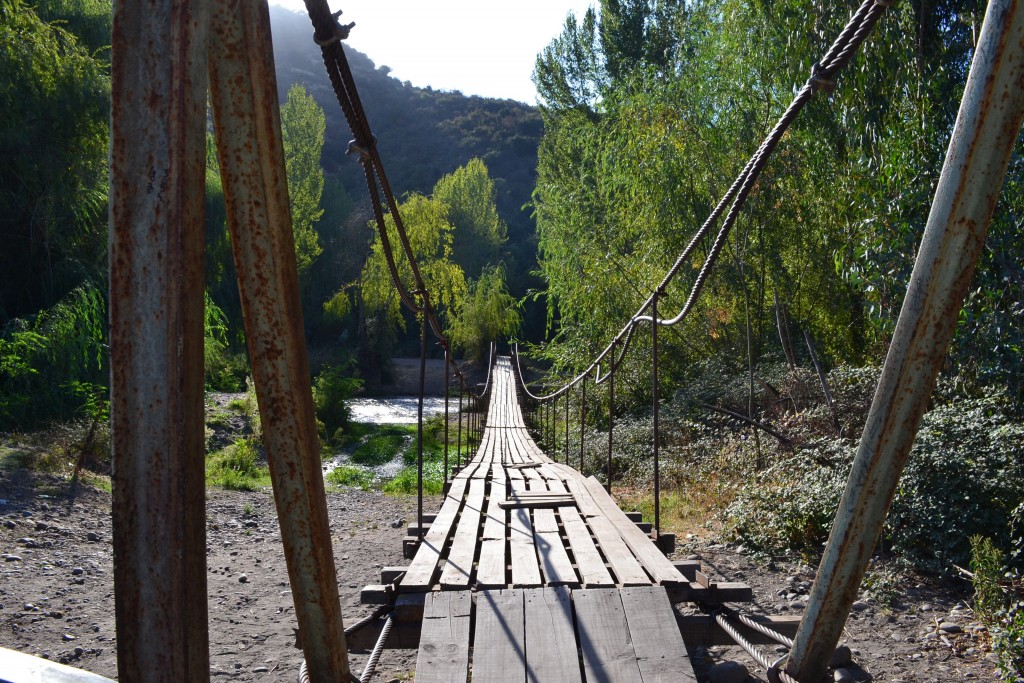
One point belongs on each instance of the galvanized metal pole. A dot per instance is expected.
(157, 163)
(243, 91)
(986, 130)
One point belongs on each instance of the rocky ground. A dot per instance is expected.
(56, 590)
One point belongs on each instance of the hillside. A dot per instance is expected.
(422, 133)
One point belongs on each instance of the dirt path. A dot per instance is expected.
(56, 590)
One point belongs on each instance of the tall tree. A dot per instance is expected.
(302, 131)
(480, 233)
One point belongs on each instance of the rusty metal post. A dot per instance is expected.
(447, 362)
(583, 417)
(419, 428)
(567, 428)
(986, 130)
(654, 409)
(243, 91)
(611, 414)
(157, 180)
(458, 442)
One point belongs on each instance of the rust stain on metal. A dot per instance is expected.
(246, 118)
(156, 316)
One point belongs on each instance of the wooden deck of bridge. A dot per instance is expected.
(531, 572)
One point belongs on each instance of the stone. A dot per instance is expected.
(950, 627)
(842, 675)
(11, 558)
(10, 524)
(42, 526)
(727, 672)
(92, 536)
(67, 637)
(242, 578)
(77, 571)
(841, 657)
(859, 606)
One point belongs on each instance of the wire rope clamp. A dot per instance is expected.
(818, 80)
(364, 151)
(339, 31)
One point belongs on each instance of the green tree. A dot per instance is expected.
(55, 105)
(488, 313)
(302, 131)
(480, 233)
(430, 237)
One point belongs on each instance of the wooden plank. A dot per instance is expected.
(443, 655)
(525, 568)
(499, 640)
(458, 568)
(554, 560)
(424, 565)
(626, 568)
(658, 645)
(537, 502)
(605, 643)
(550, 639)
(491, 567)
(653, 560)
(589, 564)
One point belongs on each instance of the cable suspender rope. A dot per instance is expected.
(611, 417)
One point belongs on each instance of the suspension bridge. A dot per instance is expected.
(529, 571)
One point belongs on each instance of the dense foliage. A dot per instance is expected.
(651, 109)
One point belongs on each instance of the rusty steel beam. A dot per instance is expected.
(157, 148)
(243, 91)
(986, 130)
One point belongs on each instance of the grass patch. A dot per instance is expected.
(347, 475)
(237, 468)
(404, 482)
(382, 443)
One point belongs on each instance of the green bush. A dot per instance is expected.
(46, 357)
(999, 598)
(962, 478)
(223, 370)
(331, 389)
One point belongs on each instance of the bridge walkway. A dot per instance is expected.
(531, 572)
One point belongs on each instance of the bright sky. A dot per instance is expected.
(480, 47)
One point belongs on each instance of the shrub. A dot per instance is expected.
(331, 389)
(962, 478)
(237, 467)
(999, 598)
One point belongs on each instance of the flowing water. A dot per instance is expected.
(395, 409)
(386, 410)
